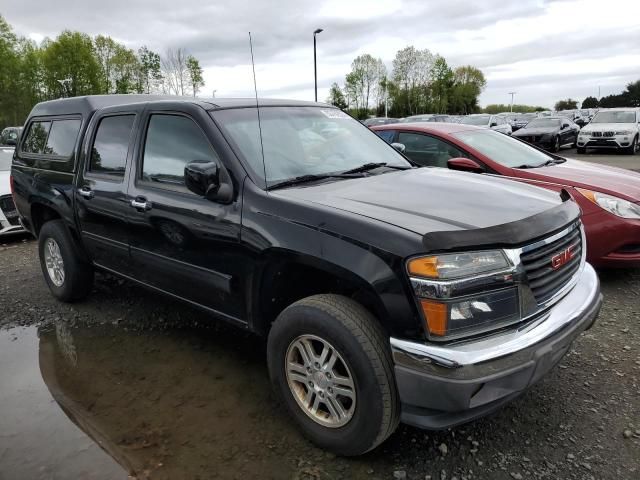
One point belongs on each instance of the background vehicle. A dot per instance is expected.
(370, 278)
(494, 122)
(10, 135)
(550, 133)
(9, 222)
(613, 129)
(609, 197)
(521, 120)
(369, 122)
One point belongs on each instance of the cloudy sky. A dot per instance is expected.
(544, 50)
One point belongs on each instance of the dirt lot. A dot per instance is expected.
(168, 393)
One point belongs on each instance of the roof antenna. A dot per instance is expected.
(255, 87)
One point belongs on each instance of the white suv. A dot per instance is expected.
(613, 128)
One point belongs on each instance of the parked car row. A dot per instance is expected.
(386, 292)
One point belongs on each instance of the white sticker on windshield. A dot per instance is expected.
(334, 113)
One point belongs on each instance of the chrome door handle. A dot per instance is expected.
(86, 192)
(140, 204)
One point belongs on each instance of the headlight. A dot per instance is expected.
(623, 132)
(461, 317)
(617, 206)
(585, 134)
(450, 314)
(457, 265)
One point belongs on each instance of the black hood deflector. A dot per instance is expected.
(506, 235)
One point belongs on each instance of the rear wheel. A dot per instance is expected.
(68, 276)
(329, 361)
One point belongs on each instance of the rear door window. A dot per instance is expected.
(36, 138)
(111, 145)
(62, 137)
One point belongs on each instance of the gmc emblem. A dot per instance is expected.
(563, 257)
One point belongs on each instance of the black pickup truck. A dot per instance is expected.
(386, 292)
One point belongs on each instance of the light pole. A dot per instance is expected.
(512, 94)
(213, 93)
(315, 65)
(63, 83)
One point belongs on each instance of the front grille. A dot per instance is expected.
(531, 138)
(9, 209)
(596, 134)
(602, 134)
(547, 267)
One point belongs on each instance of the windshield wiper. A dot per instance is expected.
(372, 166)
(305, 179)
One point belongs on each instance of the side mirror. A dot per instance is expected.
(464, 165)
(399, 147)
(203, 179)
(493, 124)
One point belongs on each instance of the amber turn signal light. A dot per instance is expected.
(436, 316)
(424, 267)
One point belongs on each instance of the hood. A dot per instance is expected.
(427, 200)
(536, 131)
(5, 188)
(608, 127)
(615, 181)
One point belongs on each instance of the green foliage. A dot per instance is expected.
(590, 102)
(628, 98)
(195, 74)
(568, 104)
(31, 73)
(501, 107)
(336, 97)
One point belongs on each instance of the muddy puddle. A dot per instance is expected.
(102, 402)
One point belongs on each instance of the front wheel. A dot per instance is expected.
(581, 150)
(633, 148)
(330, 362)
(556, 145)
(68, 276)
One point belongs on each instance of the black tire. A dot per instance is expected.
(581, 150)
(78, 274)
(631, 149)
(360, 340)
(556, 145)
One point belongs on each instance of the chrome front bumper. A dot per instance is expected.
(467, 378)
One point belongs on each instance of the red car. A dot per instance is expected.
(609, 197)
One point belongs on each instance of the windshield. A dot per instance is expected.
(479, 120)
(525, 118)
(614, 117)
(5, 160)
(543, 123)
(503, 149)
(303, 141)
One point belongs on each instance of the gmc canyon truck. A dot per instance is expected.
(386, 292)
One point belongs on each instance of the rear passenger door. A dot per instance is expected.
(182, 243)
(428, 151)
(101, 189)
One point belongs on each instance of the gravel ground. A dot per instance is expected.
(150, 376)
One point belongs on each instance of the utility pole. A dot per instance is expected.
(213, 93)
(512, 94)
(315, 65)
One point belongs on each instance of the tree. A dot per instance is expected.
(71, 55)
(411, 75)
(501, 107)
(336, 97)
(568, 104)
(149, 74)
(442, 81)
(195, 74)
(174, 71)
(590, 102)
(9, 71)
(469, 82)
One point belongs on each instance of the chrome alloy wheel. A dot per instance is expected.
(53, 261)
(320, 381)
